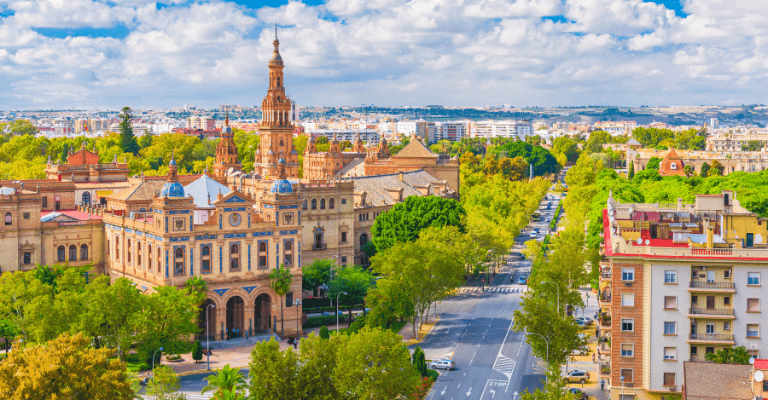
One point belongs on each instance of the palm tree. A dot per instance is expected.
(228, 383)
(280, 280)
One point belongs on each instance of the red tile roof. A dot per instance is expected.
(79, 215)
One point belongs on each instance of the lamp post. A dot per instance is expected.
(207, 337)
(337, 311)
(297, 303)
(622, 387)
(547, 342)
(153, 364)
(558, 295)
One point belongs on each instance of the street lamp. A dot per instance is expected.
(207, 337)
(297, 303)
(153, 366)
(337, 311)
(622, 387)
(547, 342)
(558, 295)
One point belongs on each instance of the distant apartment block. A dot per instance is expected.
(369, 136)
(616, 128)
(204, 123)
(503, 129)
(452, 131)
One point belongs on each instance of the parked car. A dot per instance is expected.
(578, 393)
(549, 219)
(582, 351)
(584, 321)
(576, 375)
(534, 233)
(443, 364)
(522, 280)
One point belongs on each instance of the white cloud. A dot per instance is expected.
(453, 52)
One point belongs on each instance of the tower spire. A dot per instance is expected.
(275, 31)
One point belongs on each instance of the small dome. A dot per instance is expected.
(226, 130)
(282, 186)
(276, 59)
(312, 139)
(258, 151)
(172, 189)
(281, 160)
(173, 162)
(270, 153)
(294, 151)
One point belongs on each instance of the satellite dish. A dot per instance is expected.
(639, 241)
(759, 376)
(647, 242)
(752, 360)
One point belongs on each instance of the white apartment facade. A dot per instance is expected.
(503, 129)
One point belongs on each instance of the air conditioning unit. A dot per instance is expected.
(627, 283)
(702, 268)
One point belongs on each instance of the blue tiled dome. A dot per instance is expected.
(173, 161)
(226, 130)
(281, 160)
(172, 189)
(282, 186)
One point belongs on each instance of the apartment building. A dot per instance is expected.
(616, 127)
(204, 123)
(453, 131)
(678, 281)
(505, 129)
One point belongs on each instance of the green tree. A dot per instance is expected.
(567, 146)
(274, 373)
(317, 357)
(375, 364)
(280, 280)
(64, 368)
(112, 321)
(631, 173)
(323, 333)
(727, 355)
(406, 220)
(127, 139)
(164, 384)
(419, 361)
(704, 170)
(145, 140)
(716, 166)
(652, 137)
(225, 380)
(355, 282)
(22, 127)
(653, 163)
(316, 274)
(197, 287)
(197, 351)
(8, 331)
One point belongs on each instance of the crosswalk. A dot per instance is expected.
(492, 290)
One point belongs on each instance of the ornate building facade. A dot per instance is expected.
(276, 129)
(226, 153)
(328, 164)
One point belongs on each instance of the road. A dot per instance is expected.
(493, 362)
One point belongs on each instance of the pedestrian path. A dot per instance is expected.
(492, 290)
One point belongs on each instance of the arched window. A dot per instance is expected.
(178, 267)
(206, 252)
(87, 198)
(159, 261)
(117, 247)
(149, 257)
(314, 204)
(8, 218)
(288, 253)
(262, 255)
(305, 205)
(128, 251)
(138, 254)
(234, 257)
(84, 252)
(61, 253)
(72, 252)
(322, 204)
(363, 239)
(331, 203)
(673, 165)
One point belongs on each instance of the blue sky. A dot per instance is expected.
(144, 54)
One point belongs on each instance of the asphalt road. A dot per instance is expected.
(492, 361)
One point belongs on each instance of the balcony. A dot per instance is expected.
(703, 286)
(605, 300)
(605, 275)
(711, 338)
(726, 313)
(319, 246)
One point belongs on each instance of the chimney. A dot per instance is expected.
(400, 176)
(679, 204)
(710, 236)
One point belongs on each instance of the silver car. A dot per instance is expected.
(443, 364)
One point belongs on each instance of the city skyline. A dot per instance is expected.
(105, 55)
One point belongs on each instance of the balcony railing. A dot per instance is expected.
(724, 337)
(605, 299)
(319, 246)
(712, 285)
(711, 311)
(606, 275)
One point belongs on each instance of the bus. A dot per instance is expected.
(536, 217)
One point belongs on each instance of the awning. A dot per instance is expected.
(103, 193)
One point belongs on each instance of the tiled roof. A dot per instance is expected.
(415, 148)
(376, 186)
(354, 168)
(707, 380)
(146, 190)
(203, 189)
(633, 142)
(67, 215)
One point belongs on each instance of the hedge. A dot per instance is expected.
(324, 320)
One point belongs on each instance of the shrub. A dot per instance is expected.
(197, 351)
(432, 374)
(324, 333)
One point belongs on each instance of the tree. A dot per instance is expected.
(375, 364)
(704, 170)
(406, 220)
(226, 380)
(419, 361)
(22, 127)
(514, 169)
(127, 139)
(566, 146)
(631, 173)
(280, 280)
(7, 331)
(197, 287)
(727, 355)
(146, 139)
(716, 166)
(355, 282)
(653, 163)
(20, 296)
(64, 368)
(317, 357)
(651, 137)
(316, 274)
(323, 333)
(164, 384)
(274, 373)
(197, 351)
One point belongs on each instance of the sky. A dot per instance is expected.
(92, 54)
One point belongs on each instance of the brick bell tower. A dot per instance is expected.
(276, 129)
(226, 152)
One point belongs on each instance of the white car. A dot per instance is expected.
(534, 233)
(443, 364)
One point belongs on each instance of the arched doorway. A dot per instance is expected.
(235, 309)
(263, 311)
(211, 332)
(87, 198)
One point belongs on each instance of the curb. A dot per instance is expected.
(411, 342)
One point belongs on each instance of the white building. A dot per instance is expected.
(453, 131)
(505, 129)
(369, 136)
